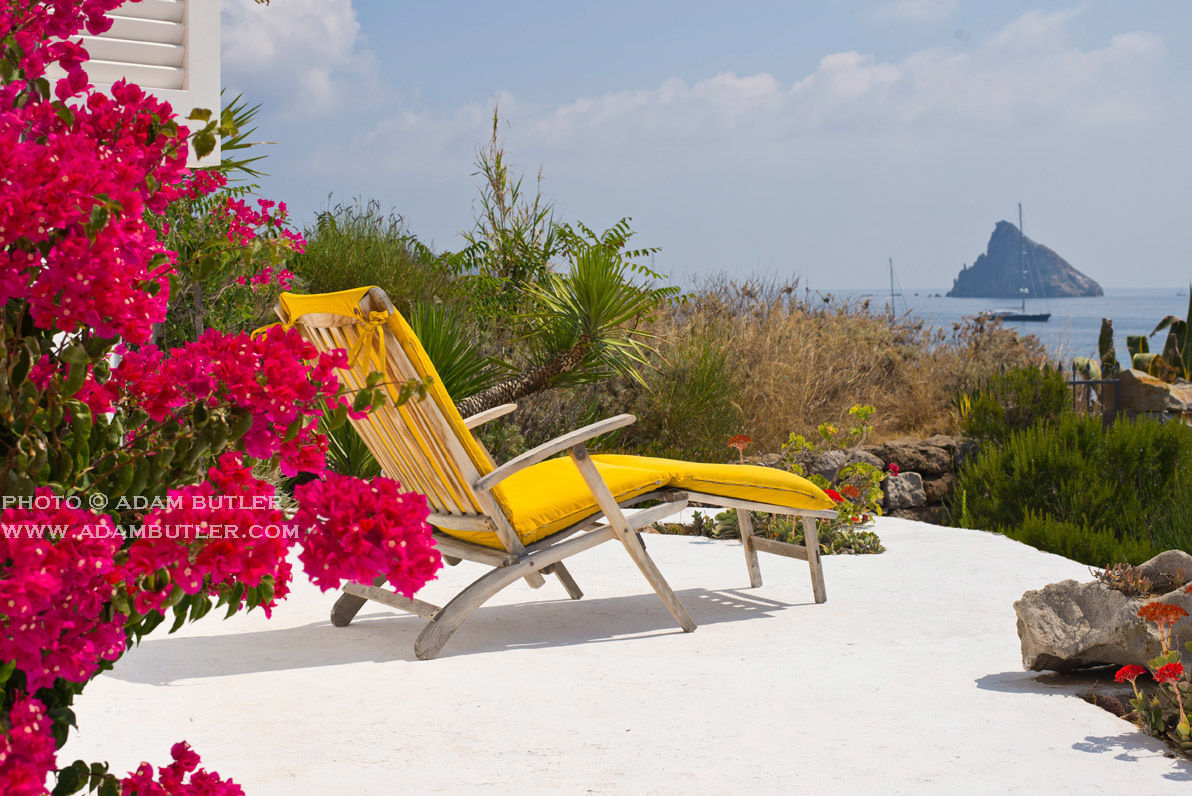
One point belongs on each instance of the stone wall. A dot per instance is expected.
(927, 468)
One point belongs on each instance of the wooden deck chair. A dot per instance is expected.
(523, 518)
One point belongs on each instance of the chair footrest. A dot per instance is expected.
(764, 545)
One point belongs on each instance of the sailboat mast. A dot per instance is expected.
(1022, 290)
(891, 289)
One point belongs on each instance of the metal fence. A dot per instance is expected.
(1093, 395)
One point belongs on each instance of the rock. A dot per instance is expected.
(904, 491)
(998, 272)
(938, 488)
(914, 454)
(1112, 704)
(1141, 393)
(931, 514)
(961, 448)
(1070, 625)
(828, 464)
(1168, 571)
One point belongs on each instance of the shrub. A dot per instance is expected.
(688, 407)
(1013, 401)
(1100, 496)
(352, 245)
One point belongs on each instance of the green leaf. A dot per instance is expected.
(200, 114)
(203, 143)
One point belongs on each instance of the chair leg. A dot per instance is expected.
(564, 576)
(348, 605)
(646, 564)
(745, 523)
(811, 539)
(432, 638)
(345, 609)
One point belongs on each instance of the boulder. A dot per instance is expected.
(914, 454)
(828, 464)
(1141, 393)
(1071, 625)
(1168, 571)
(904, 491)
(939, 487)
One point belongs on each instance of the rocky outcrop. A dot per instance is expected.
(1071, 625)
(998, 273)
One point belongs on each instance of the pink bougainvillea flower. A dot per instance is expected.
(832, 493)
(1169, 672)
(1128, 674)
(27, 749)
(358, 529)
(55, 591)
(183, 777)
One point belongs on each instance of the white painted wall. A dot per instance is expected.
(170, 48)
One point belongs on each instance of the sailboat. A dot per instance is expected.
(1020, 314)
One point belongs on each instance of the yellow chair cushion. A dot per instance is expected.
(742, 481)
(549, 496)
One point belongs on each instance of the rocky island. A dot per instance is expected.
(998, 273)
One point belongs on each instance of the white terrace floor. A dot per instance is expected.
(907, 680)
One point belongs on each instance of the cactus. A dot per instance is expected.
(1109, 363)
(1087, 367)
(1176, 359)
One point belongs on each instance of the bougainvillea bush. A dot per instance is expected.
(128, 490)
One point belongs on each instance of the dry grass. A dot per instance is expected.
(767, 360)
(804, 360)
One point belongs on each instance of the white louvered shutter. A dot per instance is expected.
(170, 48)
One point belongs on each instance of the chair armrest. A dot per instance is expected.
(548, 449)
(488, 414)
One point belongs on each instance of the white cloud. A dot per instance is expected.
(310, 51)
(913, 10)
(1025, 80)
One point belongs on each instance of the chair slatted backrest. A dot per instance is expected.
(419, 443)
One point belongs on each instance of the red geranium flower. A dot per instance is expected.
(893, 468)
(1169, 672)
(832, 493)
(850, 491)
(1128, 674)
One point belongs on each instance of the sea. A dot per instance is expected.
(1075, 324)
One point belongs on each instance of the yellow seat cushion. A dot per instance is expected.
(549, 496)
(742, 481)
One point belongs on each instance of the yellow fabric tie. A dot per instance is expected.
(369, 339)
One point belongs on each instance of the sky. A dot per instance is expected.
(809, 140)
